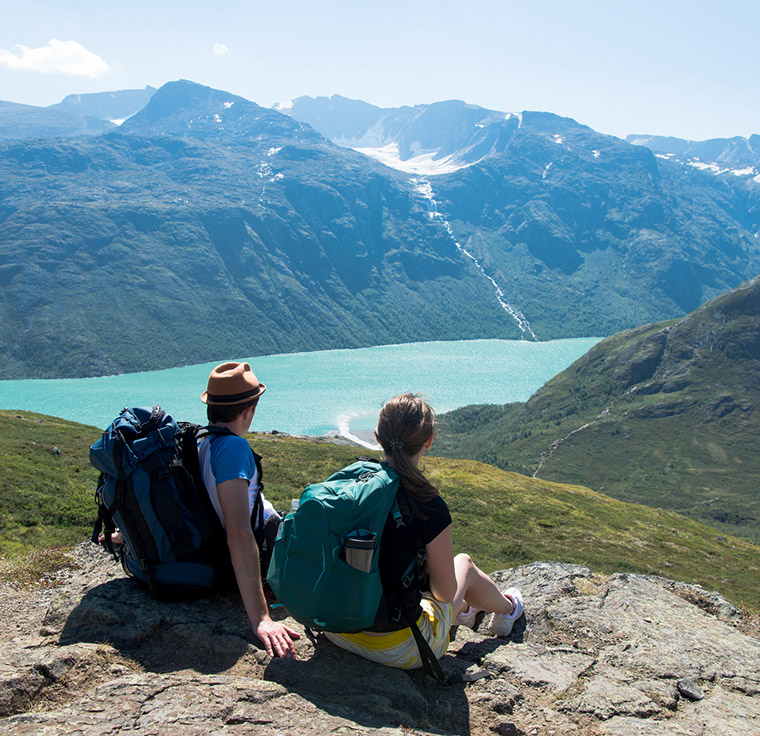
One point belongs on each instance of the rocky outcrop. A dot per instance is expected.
(623, 655)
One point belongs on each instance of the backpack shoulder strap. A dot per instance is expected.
(257, 512)
(213, 430)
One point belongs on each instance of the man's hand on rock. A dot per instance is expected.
(276, 637)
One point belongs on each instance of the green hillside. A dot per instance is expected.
(502, 519)
(663, 415)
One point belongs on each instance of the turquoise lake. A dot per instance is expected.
(320, 392)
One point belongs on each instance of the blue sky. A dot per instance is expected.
(687, 68)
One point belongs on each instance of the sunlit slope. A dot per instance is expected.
(665, 415)
(207, 226)
(500, 518)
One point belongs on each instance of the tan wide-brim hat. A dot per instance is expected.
(232, 383)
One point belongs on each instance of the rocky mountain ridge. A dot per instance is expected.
(75, 115)
(737, 155)
(163, 241)
(198, 230)
(621, 655)
(112, 106)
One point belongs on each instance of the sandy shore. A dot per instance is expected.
(361, 438)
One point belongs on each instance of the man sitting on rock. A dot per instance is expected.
(231, 473)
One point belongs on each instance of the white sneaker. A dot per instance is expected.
(501, 623)
(467, 617)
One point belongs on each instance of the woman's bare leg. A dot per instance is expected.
(476, 589)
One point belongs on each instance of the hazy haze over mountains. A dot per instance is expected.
(75, 115)
(731, 153)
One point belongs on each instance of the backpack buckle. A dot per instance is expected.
(118, 497)
(161, 473)
(408, 579)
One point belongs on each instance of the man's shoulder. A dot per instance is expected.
(230, 443)
(231, 457)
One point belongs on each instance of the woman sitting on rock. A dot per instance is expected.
(456, 590)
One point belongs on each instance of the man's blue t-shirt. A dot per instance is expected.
(229, 457)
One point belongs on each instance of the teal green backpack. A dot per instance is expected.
(324, 566)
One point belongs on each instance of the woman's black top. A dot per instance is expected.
(400, 546)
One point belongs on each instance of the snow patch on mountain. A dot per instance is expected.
(424, 163)
(517, 115)
(702, 166)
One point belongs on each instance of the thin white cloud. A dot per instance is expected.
(220, 49)
(58, 57)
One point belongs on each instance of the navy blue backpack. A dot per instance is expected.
(151, 488)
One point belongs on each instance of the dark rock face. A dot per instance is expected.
(594, 655)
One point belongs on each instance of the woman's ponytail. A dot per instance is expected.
(405, 424)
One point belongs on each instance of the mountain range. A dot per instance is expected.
(719, 154)
(541, 199)
(664, 414)
(75, 115)
(204, 225)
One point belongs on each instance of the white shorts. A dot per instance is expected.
(398, 648)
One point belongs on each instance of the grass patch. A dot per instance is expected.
(34, 569)
(663, 415)
(501, 518)
(47, 484)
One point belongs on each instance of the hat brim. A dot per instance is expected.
(221, 400)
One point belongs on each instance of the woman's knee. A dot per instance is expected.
(463, 561)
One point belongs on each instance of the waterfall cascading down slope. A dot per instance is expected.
(423, 187)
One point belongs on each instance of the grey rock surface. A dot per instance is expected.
(90, 653)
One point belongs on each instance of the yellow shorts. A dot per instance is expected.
(398, 648)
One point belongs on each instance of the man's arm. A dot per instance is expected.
(233, 498)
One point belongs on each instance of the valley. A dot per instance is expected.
(664, 414)
(205, 225)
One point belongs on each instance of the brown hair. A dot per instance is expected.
(405, 424)
(225, 413)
